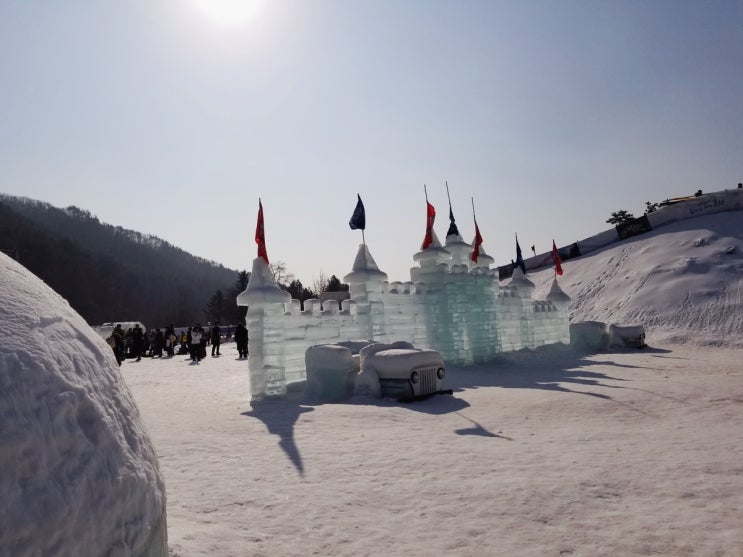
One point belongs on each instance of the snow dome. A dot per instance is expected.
(78, 473)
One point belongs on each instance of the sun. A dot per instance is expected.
(229, 12)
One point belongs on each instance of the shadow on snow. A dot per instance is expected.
(559, 369)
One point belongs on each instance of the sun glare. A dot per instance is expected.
(229, 12)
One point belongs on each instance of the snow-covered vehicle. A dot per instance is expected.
(375, 369)
(401, 371)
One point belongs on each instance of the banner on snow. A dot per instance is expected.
(634, 227)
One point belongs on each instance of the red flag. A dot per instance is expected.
(556, 259)
(260, 236)
(478, 243)
(430, 217)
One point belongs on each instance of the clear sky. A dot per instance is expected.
(167, 117)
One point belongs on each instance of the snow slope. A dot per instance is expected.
(683, 281)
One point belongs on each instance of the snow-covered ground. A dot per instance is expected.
(542, 453)
(637, 453)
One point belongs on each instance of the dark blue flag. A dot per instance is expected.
(519, 257)
(452, 226)
(358, 219)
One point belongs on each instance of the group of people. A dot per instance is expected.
(136, 343)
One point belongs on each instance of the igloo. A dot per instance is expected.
(78, 473)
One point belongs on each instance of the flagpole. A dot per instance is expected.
(363, 239)
(447, 195)
(425, 191)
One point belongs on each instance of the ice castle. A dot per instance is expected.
(451, 304)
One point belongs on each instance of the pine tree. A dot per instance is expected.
(234, 313)
(618, 217)
(298, 291)
(651, 207)
(335, 285)
(216, 306)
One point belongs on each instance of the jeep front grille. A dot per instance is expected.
(427, 380)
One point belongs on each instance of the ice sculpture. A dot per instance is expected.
(451, 304)
(265, 323)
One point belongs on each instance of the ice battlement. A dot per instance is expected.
(451, 304)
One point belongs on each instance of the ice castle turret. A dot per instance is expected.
(430, 259)
(484, 261)
(560, 326)
(459, 249)
(366, 283)
(265, 324)
(515, 308)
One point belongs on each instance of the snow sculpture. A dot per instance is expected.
(78, 474)
(626, 335)
(401, 370)
(451, 304)
(330, 369)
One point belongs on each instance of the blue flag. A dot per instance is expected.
(452, 226)
(519, 257)
(358, 219)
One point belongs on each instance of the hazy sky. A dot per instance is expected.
(162, 117)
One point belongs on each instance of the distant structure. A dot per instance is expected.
(669, 211)
(451, 304)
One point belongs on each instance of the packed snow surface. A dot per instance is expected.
(78, 474)
(543, 453)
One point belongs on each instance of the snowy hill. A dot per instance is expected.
(684, 282)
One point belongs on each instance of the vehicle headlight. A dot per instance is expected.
(414, 377)
(440, 373)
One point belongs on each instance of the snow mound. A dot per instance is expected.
(78, 474)
(683, 282)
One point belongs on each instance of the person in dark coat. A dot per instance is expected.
(158, 344)
(119, 348)
(216, 338)
(170, 340)
(241, 339)
(137, 341)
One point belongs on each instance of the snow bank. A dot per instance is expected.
(683, 282)
(78, 474)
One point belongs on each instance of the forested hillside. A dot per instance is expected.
(109, 273)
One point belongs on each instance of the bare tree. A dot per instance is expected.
(319, 284)
(280, 273)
